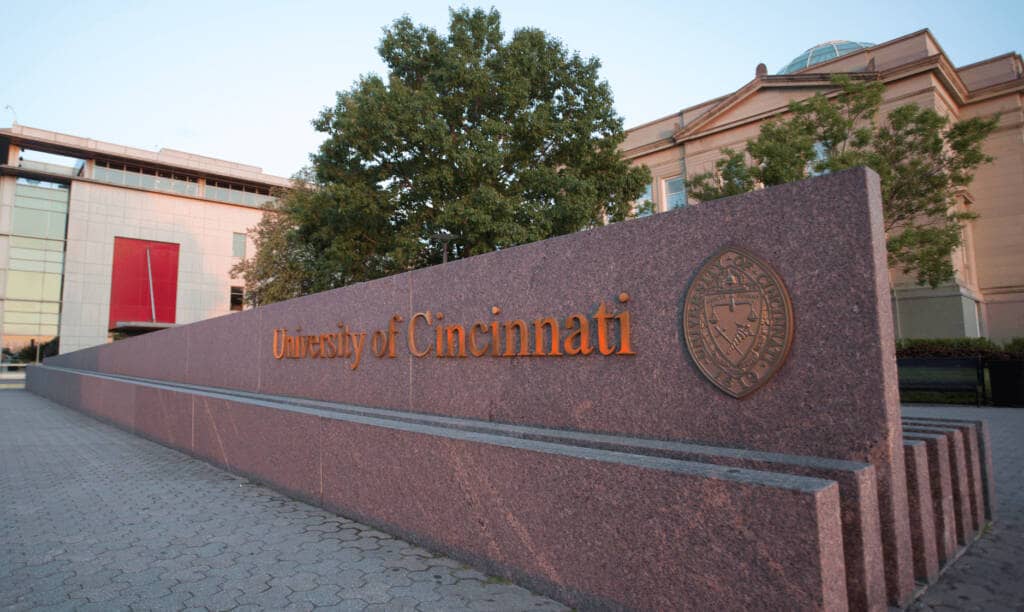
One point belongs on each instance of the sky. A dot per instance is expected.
(242, 80)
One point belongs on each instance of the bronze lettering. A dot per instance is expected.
(343, 349)
(330, 345)
(412, 333)
(450, 332)
(624, 334)
(602, 318)
(439, 336)
(582, 344)
(524, 348)
(358, 341)
(477, 340)
(538, 336)
(477, 352)
(495, 339)
(379, 343)
(393, 334)
(284, 336)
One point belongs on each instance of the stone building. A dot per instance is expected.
(118, 240)
(987, 296)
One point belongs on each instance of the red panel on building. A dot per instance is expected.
(134, 275)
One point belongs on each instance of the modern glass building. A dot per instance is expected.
(117, 240)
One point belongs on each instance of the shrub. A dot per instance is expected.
(952, 348)
(27, 354)
(1014, 349)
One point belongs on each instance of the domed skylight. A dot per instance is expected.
(822, 53)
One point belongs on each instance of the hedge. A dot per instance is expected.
(1015, 348)
(959, 348)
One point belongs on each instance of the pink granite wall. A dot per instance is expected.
(834, 397)
(823, 236)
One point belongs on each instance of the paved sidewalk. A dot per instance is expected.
(990, 575)
(94, 518)
(11, 380)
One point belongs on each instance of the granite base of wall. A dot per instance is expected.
(967, 434)
(555, 509)
(592, 527)
(922, 512)
(978, 433)
(862, 540)
(957, 481)
(949, 470)
(937, 449)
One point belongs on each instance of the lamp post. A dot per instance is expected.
(445, 238)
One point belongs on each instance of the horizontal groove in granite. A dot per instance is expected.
(388, 419)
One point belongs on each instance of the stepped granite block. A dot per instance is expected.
(978, 431)
(939, 472)
(862, 547)
(959, 475)
(922, 512)
(531, 505)
(972, 455)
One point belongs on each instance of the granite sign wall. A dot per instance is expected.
(698, 406)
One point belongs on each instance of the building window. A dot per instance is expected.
(31, 318)
(40, 212)
(30, 296)
(145, 178)
(675, 193)
(237, 297)
(235, 193)
(820, 156)
(644, 205)
(238, 245)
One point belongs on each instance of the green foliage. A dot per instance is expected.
(921, 159)
(494, 141)
(732, 176)
(27, 354)
(283, 266)
(953, 348)
(1014, 349)
(644, 208)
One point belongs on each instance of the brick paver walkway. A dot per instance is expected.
(92, 517)
(990, 575)
(95, 518)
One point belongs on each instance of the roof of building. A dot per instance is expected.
(822, 53)
(87, 148)
(889, 61)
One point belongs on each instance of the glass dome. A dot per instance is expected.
(822, 53)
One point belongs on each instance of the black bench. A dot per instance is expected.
(941, 374)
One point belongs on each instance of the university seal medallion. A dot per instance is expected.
(737, 321)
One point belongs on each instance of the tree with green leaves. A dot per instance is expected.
(473, 141)
(923, 161)
(282, 267)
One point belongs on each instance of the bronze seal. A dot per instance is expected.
(737, 321)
